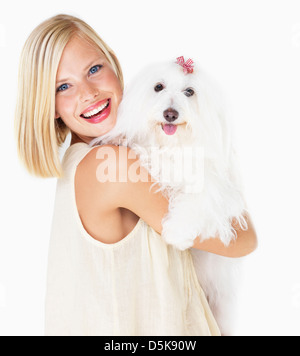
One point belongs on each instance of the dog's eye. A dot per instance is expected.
(159, 87)
(189, 92)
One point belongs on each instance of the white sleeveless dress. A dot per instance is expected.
(137, 286)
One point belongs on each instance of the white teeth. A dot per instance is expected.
(96, 111)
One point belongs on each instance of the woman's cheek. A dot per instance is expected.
(65, 106)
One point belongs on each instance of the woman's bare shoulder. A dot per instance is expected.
(111, 164)
(96, 167)
(111, 154)
(96, 199)
(115, 174)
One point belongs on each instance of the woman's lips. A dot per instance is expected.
(97, 117)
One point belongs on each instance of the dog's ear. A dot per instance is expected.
(134, 110)
(132, 115)
(214, 120)
(217, 127)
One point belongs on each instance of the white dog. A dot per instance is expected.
(172, 115)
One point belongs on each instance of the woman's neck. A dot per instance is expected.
(77, 139)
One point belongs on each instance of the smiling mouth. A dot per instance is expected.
(96, 112)
(99, 112)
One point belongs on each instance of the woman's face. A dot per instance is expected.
(88, 91)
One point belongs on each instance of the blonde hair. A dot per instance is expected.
(39, 135)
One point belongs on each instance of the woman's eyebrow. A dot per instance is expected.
(84, 70)
(92, 62)
(62, 81)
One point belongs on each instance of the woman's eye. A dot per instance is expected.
(189, 92)
(95, 69)
(159, 87)
(63, 87)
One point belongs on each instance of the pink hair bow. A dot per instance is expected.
(187, 66)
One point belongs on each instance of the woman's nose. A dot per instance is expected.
(88, 92)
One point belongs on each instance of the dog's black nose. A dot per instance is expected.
(171, 115)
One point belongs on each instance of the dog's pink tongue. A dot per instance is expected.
(169, 129)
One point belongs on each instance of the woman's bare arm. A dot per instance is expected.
(245, 243)
(128, 185)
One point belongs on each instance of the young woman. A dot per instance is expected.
(109, 270)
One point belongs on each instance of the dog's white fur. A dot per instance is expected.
(205, 203)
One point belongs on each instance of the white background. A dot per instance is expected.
(252, 48)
